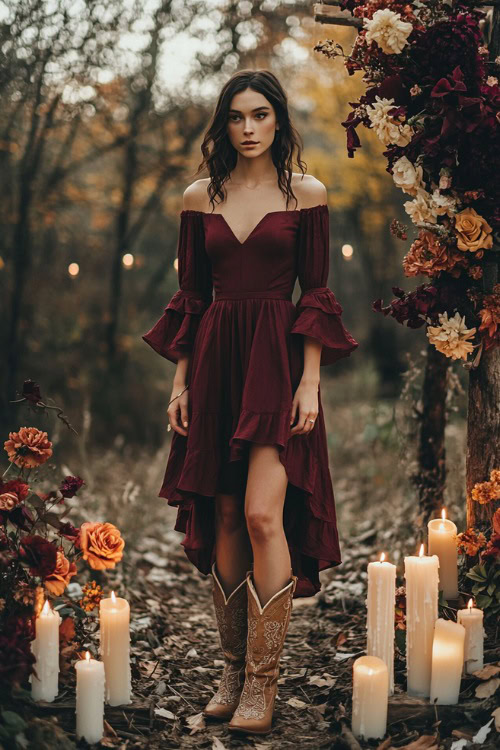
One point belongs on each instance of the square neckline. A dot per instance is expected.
(269, 213)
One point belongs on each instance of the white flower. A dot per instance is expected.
(443, 204)
(388, 30)
(421, 209)
(415, 90)
(492, 81)
(444, 179)
(407, 176)
(389, 130)
(450, 337)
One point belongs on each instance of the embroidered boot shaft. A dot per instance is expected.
(267, 628)
(232, 622)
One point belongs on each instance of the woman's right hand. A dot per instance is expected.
(178, 410)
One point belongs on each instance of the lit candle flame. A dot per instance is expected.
(382, 557)
(46, 608)
(421, 553)
(443, 514)
(87, 655)
(470, 604)
(113, 597)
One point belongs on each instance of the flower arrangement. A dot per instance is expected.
(40, 549)
(433, 104)
(484, 577)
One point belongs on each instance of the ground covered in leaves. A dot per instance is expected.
(177, 664)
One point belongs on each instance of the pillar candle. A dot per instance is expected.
(442, 541)
(45, 647)
(380, 616)
(421, 574)
(472, 620)
(370, 684)
(89, 699)
(447, 661)
(115, 649)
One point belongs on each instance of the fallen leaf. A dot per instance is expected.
(490, 670)
(217, 744)
(496, 716)
(164, 713)
(196, 722)
(109, 729)
(296, 703)
(459, 744)
(481, 735)
(425, 742)
(341, 638)
(321, 681)
(486, 689)
(191, 652)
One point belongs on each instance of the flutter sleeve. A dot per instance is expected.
(174, 333)
(318, 311)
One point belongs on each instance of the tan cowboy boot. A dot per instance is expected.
(267, 628)
(231, 615)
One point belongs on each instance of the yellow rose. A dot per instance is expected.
(473, 232)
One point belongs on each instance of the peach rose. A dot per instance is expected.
(57, 581)
(28, 448)
(473, 232)
(12, 493)
(101, 544)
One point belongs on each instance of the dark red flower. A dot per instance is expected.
(68, 531)
(16, 657)
(31, 391)
(39, 554)
(70, 486)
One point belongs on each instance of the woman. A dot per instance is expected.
(248, 464)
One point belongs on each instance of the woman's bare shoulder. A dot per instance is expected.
(195, 196)
(309, 190)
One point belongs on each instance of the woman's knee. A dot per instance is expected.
(229, 513)
(262, 523)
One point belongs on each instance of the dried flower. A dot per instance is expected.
(70, 486)
(400, 610)
(388, 31)
(25, 594)
(92, 595)
(486, 492)
(490, 315)
(28, 448)
(12, 493)
(451, 336)
(101, 544)
(429, 256)
(39, 554)
(57, 581)
(470, 542)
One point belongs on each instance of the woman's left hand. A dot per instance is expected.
(305, 401)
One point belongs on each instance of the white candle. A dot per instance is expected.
(472, 620)
(370, 689)
(442, 541)
(421, 574)
(115, 649)
(45, 647)
(447, 661)
(89, 699)
(380, 616)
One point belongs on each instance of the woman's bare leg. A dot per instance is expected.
(264, 500)
(233, 551)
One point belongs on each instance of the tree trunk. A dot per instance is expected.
(431, 472)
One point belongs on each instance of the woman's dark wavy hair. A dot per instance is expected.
(220, 158)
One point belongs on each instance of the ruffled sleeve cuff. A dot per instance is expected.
(174, 333)
(319, 316)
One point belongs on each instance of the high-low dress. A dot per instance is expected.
(246, 346)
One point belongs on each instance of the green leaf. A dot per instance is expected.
(483, 601)
(401, 640)
(481, 569)
(491, 589)
(475, 576)
(477, 588)
(13, 722)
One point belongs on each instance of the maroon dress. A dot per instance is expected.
(247, 357)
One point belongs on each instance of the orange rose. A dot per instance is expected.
(101, 544)
(57, 581)
(28, 448)
(473, 232)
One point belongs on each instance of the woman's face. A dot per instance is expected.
(251, 117)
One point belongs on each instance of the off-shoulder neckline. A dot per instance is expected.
(281, 211)
(190, 211)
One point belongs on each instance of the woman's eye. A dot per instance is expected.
(237, 117)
